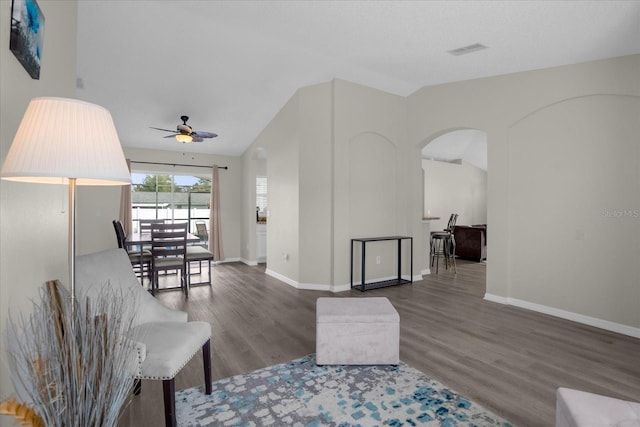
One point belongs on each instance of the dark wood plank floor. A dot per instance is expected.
(507, 359)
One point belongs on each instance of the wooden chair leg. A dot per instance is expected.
(206, 355)
(184, 279)
(169, 388)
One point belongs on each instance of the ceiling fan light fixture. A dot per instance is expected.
(185, 133)
(185, 139)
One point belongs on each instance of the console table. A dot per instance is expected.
(383, 283)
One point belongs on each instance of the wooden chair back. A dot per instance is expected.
(120, 234)
(147, 224)
(169, 240)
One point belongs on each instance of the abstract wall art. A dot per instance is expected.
(27, 35)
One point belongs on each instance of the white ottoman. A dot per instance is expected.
(576, 408)
(357, 331)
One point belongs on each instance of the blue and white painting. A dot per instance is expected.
(27, 35)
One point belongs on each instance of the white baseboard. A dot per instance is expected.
(282, 278)
(341, 288)
(308, 286)
(575, 317)
(314, 287)
(246, 261)
(293, 283)
(496, 298)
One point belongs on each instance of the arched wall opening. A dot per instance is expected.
(454, 180)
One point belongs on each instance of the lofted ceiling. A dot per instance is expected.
(469, 145)
(231, 65)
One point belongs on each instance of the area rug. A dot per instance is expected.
(300, 393)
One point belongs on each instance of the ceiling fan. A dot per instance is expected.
(185, 133)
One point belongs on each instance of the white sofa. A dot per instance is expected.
(575, 408)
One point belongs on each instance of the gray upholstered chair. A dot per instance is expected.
(166, 340)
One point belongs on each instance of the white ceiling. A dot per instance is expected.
(469, 145)
(231, 65)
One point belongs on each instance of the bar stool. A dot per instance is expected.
(443, 242)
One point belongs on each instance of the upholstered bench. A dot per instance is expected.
(357, 331)
(576, 408)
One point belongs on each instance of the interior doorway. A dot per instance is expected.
(261, 203)
(454, 180)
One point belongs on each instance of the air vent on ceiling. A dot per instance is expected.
(467, 49)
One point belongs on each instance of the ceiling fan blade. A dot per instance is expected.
(204, 134)
(196, 138)
(170, 136)
(166, 130)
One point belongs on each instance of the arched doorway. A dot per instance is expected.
(454, 180)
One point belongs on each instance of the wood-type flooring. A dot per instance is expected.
(508, 359)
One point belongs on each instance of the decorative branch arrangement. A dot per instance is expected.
(71, 366)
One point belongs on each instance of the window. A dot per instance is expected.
(169, 197)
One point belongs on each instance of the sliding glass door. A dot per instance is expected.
(172, 198)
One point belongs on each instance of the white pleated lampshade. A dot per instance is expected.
(61, 138)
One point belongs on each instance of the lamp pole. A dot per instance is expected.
(72, 242)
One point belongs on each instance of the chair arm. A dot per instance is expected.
(139, 354)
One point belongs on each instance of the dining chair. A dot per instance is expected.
(201, 231)
(140, 258)
(169, 253)
(164, 340)
(198, 254)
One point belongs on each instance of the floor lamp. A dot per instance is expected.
(63, 140)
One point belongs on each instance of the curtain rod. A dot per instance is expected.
(177, 164)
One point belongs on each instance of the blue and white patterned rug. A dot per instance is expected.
(300, 393)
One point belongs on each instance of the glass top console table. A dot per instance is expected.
(363, 286)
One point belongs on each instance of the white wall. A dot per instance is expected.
(96, 207)
(33, 217)
(336, 169)
(371, 184)
(315, 192)
(585, 203)
(280, 139)
(457, 187)
(531, 118)
(562, 149)
(252, 166)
